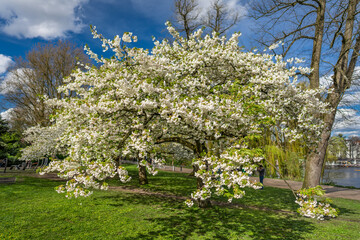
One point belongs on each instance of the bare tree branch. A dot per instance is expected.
(39, 74)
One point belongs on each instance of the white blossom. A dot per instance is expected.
(204, 89)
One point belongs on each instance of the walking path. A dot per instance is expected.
(331, 191)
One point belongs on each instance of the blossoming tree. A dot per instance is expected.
(205, 93)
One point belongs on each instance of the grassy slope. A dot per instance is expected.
(31, 209)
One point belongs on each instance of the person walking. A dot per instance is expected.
(261, 171)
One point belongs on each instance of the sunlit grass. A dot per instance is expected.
(31, 209)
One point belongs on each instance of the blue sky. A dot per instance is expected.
(23, 23)
(26, 22)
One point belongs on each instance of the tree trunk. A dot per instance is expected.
(317, 45)
(142, 175)
(6, 163)
(342, 78)
(200, 149)
(194, 170)
(315, 160)
(24, 165)
(202, 203)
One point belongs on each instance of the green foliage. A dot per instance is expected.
(311, 192)
(282, 158)
(3, 126)
(288, 162)
(10, 143)
(336, 148)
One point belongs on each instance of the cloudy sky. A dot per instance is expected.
(23, 23)
(26, 22)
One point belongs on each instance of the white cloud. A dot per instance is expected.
(14, 80)
(162, 10)
(347, 122)
(48, 19)
(326, 81)
(351, 97)
(233, 5)
(5, 62)
(7, 114)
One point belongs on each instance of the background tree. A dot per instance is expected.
(10, 143)
(330, 26)
(337, 148)
(175, 154)
(3, 129)
(39, 74)
(285, 162)
(218, 17)
(187, 16)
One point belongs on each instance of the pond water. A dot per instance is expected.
(344, 176)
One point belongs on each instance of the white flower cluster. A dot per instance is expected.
(44, 142)
(200, 90)
(123, 174)
(226, 175)
(313, 205)
(84, 176)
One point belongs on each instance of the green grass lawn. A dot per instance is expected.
(31, 209)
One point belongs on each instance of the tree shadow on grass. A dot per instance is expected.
(217, 222)
(274, 198)
(165, 182)
(183, 185)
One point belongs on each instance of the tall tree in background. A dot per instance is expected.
(187, 16)
(337, 148)
(330, 26)
(39, 73)
(219, 17)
